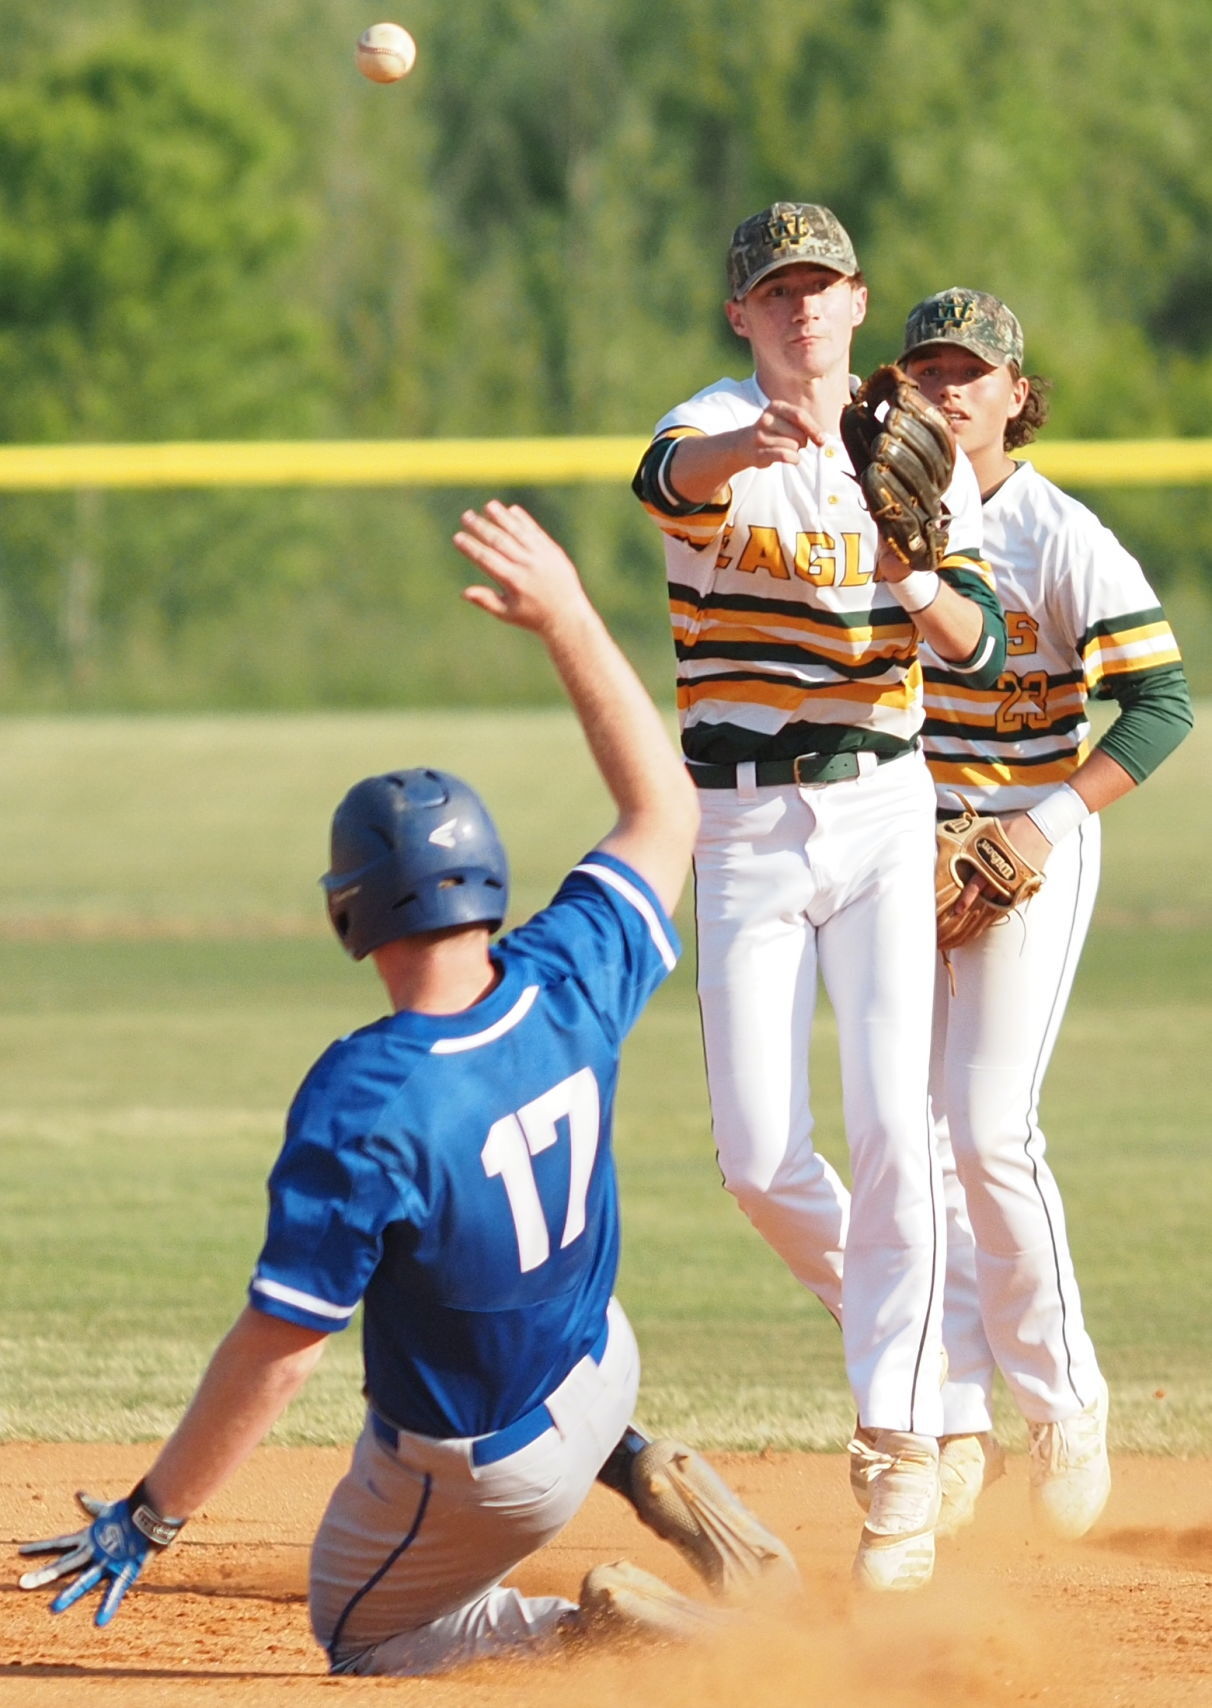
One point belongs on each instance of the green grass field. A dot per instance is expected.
(166, 978)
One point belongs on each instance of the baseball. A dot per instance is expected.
(385, 53)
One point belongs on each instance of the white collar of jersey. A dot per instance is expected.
(495, 1014)
(853, 381)
(450, 1046)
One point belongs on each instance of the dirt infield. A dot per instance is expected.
(1120, 1619)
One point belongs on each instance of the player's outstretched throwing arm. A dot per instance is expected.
(537, 588)
(922, 495)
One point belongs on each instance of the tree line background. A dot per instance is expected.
(212, 227)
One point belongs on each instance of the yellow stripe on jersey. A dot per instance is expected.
(1128, 650)
(974, 566)
(697, 531)
(987, 773)
(832, 650)
(795, 696)
(709, 633)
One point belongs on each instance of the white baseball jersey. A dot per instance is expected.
(787, 645)
(778, 621)
(1080, 619)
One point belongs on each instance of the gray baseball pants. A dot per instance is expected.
(407, 1566)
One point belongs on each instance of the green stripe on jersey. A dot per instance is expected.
(1111, 626)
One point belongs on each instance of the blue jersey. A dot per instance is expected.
(455, 1171)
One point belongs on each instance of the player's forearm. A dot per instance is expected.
(255, 1373)
(625, 732)
(700, 468)
(964, 613)
(1100, 781)
(1097, 783)
(951, 625)
(1155, 715)
(657, 805)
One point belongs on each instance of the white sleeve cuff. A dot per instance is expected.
(1058, 813)
(916, 590)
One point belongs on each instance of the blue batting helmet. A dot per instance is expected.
(412, 851)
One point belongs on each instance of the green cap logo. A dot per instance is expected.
(784, 233)
(974, 320)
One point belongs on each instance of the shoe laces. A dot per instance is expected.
(869, 1461)
(905, 1489)
(1066, 1445)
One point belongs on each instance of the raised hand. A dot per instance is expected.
(536, 579)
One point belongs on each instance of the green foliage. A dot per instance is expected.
(142, 233)
(207, 230)
(146, 225)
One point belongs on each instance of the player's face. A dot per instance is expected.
(977, 398)
(800, 321)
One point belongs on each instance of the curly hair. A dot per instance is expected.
(1023, 427)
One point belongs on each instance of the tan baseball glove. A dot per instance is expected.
(903, 452)
(973, 846)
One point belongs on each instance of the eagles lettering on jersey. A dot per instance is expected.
(785, 640)
(456, 1171)
(1081, 620)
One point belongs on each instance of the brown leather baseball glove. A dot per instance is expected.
(903, 452)
(972, 846)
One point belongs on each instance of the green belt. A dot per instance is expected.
(774, 773)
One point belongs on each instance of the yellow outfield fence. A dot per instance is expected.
(494, 462)
(337, 462)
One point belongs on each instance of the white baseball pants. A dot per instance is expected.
(835, 878)
(407, 1565)
(1008, 1265)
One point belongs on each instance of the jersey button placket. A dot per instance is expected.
(831, 476)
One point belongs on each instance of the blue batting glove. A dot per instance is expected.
(114, 1546)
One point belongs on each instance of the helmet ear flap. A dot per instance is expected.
(413, 851)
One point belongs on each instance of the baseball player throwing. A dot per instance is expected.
(1082, 621)
(799, 691)
(450, 1167)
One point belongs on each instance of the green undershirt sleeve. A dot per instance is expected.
(1155, 714)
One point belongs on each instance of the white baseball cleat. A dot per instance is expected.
(1070, 1470)
(866, 1460)
(620, 1600)
(966, 1465)
(896, 1549)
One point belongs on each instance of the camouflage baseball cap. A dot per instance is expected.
(972, 319)
(784, 233)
